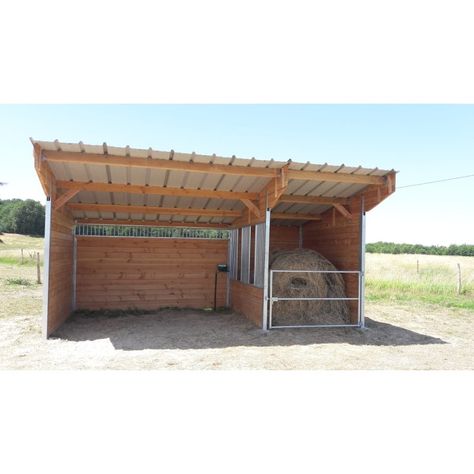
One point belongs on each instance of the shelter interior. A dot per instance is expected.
(146, 229)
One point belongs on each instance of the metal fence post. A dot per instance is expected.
(266, 265)
(362, 265)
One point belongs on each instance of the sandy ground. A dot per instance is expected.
(396, 338)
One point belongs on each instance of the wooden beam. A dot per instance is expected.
(158, 190)
(152, 210)
(312, 199)
(115, 160)
(152, 223)
(335, 177)
(64, 198)
(295, 216)
(171, 165)
(45, 175)
(252, 207)
(343, 211)
(275, 189)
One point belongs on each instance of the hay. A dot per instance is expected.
(309, 285)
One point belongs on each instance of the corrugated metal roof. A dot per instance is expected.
(109, 173)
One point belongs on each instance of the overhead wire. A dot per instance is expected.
(436, 181)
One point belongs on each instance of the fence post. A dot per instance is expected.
(38, 272)
(459, 279)
(417, 266)
(22, 256)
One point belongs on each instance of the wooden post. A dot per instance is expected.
(459, 279)
(417, 266)
(38, 271)
(22, 256)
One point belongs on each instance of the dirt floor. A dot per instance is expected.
(403, 337)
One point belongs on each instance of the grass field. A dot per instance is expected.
(395, 278)
(19, 291)
(415, 320)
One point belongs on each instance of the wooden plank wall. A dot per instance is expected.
(284, 237)
(338, 239)
(248, 301)
(122, 273)
(60, 280)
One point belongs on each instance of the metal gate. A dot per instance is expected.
(275, 299)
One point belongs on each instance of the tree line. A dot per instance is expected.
(20, 216)
(390, 247)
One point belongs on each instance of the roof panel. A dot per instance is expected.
(190, 180)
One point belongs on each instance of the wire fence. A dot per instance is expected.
(110, 230)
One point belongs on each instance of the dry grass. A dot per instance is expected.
(395, 278)
(402, 333)
(12, 244)
(19, 292)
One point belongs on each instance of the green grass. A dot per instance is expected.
(13, 260)
(19, 281)
(395, 278)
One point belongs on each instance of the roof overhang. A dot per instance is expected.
(99, 183)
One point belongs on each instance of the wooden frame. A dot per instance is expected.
(193, 167)
(155, 190)
(152, 210)
(337, 232)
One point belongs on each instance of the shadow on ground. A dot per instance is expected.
(203, 330)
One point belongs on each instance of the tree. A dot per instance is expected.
(22, 217)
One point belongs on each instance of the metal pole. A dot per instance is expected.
(229, 269)
(74, 267)
(270, 317)
(47, 247)
(266, 265)
(362, 264)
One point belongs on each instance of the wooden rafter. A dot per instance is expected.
(275, 189)
(336, 177)
(252, 207)
(64, 198)
(45, 175)
(312, 199)
(295, 216)
(171, 165)
(343, 210)
(151, 223)
(152, 210)
(283, 173)
(155, 190)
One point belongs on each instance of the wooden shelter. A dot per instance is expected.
(135, 228)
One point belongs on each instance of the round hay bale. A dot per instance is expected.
(307, 285)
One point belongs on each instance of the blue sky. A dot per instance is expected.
(422, 142)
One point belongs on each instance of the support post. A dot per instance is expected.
(459, 279)
(266, 265)
(362, 266)
(47, 248)
(38, 270)
(74, 267)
